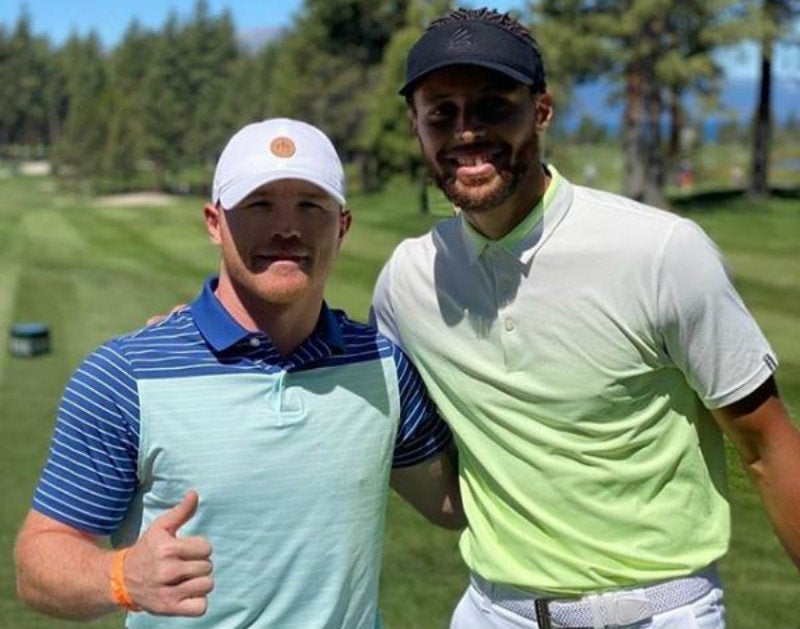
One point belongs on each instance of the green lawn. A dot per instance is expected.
(762, 249)
(91, 272)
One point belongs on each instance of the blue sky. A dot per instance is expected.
(58, 18)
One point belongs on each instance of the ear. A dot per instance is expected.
(345, 220)
(411, 112)
(213, 216)
(544, 111)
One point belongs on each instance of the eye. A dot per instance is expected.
(493, 109)
(255, 204)
(441, 113)
(307, 204)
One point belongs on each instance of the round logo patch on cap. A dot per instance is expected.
(282, 147)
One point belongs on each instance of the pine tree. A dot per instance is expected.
(126, 142)
(25, 69)
(656, 50)
(385, 140)
(78, 151)
(775, 19)
(209, 45)
(328, 65)
(191, 67)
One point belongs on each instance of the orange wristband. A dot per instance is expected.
(119, 592)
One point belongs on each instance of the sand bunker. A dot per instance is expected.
(146, 199)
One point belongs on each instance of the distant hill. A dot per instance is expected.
(739, 94)
(737, 99)
(254, 39)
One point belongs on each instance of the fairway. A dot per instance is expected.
(92, 271)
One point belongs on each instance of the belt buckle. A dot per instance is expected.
(629, 608)
(543, 613)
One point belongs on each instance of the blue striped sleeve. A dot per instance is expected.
(422, 432)
(89, 478)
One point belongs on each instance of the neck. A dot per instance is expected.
(286, 325)
(499, 221)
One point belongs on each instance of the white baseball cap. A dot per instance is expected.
(279, 148)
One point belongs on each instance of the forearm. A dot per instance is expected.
(768, 443)
(448, 511)
(776, 475)
(63, 574)
(432, 489)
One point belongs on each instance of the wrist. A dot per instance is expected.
(119, 590)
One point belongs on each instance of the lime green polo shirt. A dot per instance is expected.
(575, 361)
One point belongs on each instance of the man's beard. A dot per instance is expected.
(482, 197)
(468, 199)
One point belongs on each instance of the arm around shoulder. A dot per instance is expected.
(768, 443)
(431, 487)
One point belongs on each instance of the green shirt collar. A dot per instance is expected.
(514, 241)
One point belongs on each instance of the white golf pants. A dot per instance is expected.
(482, 608)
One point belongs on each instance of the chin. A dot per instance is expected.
(283, 295)
(282, 290)
(480, 198)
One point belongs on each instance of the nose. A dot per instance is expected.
(283, 221)
(468, 127)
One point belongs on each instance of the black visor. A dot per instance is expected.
(473, 42)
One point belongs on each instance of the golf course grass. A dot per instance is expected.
(91, 270)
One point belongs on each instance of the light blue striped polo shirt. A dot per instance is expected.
(290, 457)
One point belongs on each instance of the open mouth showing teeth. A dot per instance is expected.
(474, 157)
(476, 160)
(475, 165)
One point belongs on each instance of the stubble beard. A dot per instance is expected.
(480, 197)
(268, 287)
(281, 289)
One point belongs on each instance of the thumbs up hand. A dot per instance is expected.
(170, 575)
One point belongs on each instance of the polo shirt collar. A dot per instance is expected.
(222, 331)
(523, 241)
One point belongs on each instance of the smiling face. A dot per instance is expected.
(278, 244)
(479, 135)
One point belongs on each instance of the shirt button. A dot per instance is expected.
(509, 325)
(254, 342)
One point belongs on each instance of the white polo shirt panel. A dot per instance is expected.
(575, 367)
(503, 262)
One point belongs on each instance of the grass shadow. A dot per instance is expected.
(786, 193)
(726, 199)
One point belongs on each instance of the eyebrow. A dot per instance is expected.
(314, 195)
(486, 90)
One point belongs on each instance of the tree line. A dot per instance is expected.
(155, 109)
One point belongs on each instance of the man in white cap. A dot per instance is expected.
(245, 444)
